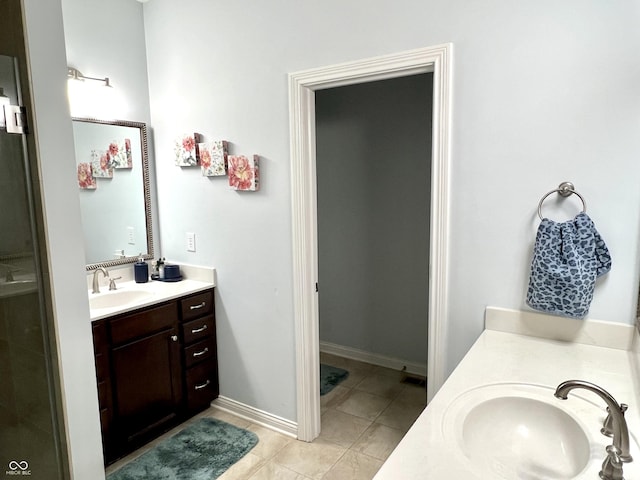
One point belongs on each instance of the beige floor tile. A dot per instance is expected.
(353, 379)
(387, 372)
(414, 394)
(270, 442)
(310, 459)
(228, 417)
(363, 404)
(342, 428)
(357, 366)
(378, 441)
(331, 359)
(381, 385)
(354, 466)
(243, 468)
(333, 398)
(273, 471)
(400, 414)
(346, 363)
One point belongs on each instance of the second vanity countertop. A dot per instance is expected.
(150, 293)
(502, 358)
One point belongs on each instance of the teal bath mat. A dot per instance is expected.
(202, 451)
(330, 377)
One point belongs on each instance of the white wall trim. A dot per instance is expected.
(279, 424)
(302, 86)
(393, 363)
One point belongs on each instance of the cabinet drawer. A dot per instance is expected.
(198, 352)
(197, 305)
(198, 329)
(202, 385)
(143, 323)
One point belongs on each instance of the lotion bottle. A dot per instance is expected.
(141, 270)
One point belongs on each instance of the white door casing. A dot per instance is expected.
(302, 87)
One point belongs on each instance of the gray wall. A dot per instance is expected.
(530, 110)
(373, 146)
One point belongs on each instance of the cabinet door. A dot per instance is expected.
(147, 381)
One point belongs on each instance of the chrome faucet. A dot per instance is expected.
(618, 453)
(96, 285)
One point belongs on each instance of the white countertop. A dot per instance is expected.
(195, 279)
(426, 452)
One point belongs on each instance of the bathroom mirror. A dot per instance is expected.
(115, 198)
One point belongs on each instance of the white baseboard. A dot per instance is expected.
(279, 424)
(374, 358)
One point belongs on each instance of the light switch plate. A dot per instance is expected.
(131, 238)
(191, 242)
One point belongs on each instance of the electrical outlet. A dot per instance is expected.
(191, 242)
(131, 238)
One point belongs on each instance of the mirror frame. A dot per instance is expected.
(146, 186)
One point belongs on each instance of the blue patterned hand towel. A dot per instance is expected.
(567, 259)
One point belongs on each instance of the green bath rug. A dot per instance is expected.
(202, 451)
(330, 377)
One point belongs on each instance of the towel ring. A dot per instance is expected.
(565, 189)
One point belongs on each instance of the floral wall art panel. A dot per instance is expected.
(244, 173)
(101, 165)
(121, 154)
(213, 158)
(117, 155)
(86, 181)
(186, 150)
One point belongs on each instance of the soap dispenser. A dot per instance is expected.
(141, 270)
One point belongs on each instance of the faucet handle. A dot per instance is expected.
(607, 426)
(612, 465)
(112, 283)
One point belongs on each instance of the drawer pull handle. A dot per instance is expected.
(196, 307)
(201, 386)
(174, 338)
(197, 354)
(198, 330)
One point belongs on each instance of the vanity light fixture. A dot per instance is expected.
(75, 74)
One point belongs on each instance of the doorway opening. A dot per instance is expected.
(373, 166)
(302, 88)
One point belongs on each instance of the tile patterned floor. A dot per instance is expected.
(363, 419)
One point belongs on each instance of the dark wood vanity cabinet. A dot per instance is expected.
(200, 353)
(155, 367)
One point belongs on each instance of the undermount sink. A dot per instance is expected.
(118, 298)
(17, 287)
(519, 431)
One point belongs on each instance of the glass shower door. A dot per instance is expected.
(31, 437)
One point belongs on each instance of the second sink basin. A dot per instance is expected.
(519, 431)
(117, 298)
